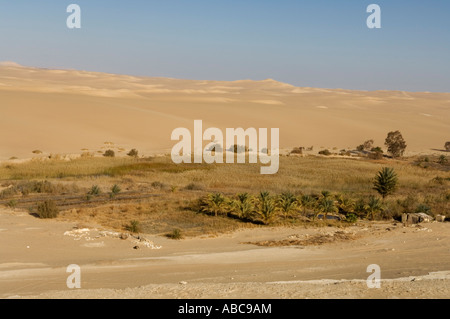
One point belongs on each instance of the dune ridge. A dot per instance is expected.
(65, 111)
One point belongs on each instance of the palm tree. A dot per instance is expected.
(243, 205)
(326, 206)
(214, 203)
(267, 208)
(325, 193)
(385, 182)
(373, 206)
(308, 202)
(287, 203)
(345, 204)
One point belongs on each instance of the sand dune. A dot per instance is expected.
(64, 111)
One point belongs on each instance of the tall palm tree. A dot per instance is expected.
(385, 182)
(373, 206)
(287, 203)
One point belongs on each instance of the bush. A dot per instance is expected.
(325, 152)
(239, 148)
(175, 234)
(158, 185)
(133, 153)
(94, 191)
(134, 226)
(351, 218)
(215, 148)
(375, 155)
(12, 203)
(194, 187)
(297, 150)
(47, 209)
(115, 190)
(109, 153)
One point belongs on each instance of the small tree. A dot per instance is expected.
(385, 182)
(133, 153)
(109, 153)
(395, 143)
(447, 146)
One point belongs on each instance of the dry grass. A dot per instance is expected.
(174, 192)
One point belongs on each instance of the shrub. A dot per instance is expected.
(133, 226)
(115, 190)
(351, 218)
(375, 155)
(133, 153)
(325, 152)
(215, 148)
(175, 234)
(239, 148)
(158, 185)
(109, 153)
(194, 187)
(423, 208)
(442, 160)
(12, 203)
(297, 150)
(94, 191)
(47, 209)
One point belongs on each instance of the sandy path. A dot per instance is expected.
(35, 254)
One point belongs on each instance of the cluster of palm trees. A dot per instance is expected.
(267, 208)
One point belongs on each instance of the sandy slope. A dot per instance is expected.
(415, 263)
(65, 111)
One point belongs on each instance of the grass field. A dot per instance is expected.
(158, 196)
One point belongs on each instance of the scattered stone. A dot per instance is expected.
(183, 283)
(136, 247)
(440, 218)
(123, 236)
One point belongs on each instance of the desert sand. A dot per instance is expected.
(414, 261)
(70, 111)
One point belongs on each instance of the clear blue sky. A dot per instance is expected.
(316, 43)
